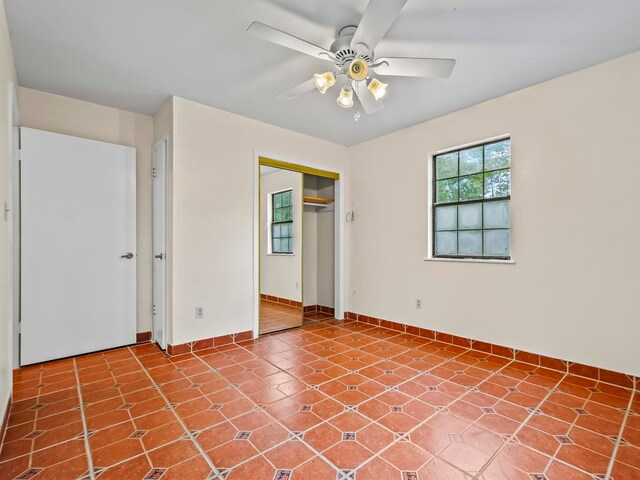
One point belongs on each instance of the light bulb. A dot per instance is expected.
(324, 81)
(377, 88)
(345, 100)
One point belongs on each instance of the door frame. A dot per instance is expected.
(13, 217)
(164, 141)
(339, 259)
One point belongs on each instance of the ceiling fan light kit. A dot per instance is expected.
(352, 55)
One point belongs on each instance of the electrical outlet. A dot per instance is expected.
(199, 312)
(418, 304)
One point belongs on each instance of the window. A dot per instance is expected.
(471, 202)
(282, 222)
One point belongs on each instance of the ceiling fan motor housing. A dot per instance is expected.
(343, 50)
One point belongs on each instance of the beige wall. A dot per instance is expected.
(281, 275)
(310, 258)
(319, 241)
(45, 111)
(7, 81)
(213, 168)
(326, 258)
(575, 223)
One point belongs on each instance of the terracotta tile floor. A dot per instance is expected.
(276, 316)
(329, 401)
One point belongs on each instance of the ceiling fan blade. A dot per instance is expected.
(298, 90)
(274, 35)
(368, 101)
(377, 18)
(414, 67)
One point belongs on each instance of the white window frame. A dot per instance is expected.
(429, 257)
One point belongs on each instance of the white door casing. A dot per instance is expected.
(159, 192)
(78, 233)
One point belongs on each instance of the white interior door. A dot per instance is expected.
(78, 281)
(159, 242)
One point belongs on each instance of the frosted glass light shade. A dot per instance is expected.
(345, 100)
(324, 81)
(377, 88)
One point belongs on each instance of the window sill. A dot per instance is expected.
(281, 254)
(470, 260)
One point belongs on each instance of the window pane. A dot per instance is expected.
(470, 216)
(276, 245)
(471, 161)
(497, 155)
(496, 243)
(446, 243)
(470, 243)
(278, 215)
(496, 215)
(446, 218)
(288, 213)
(286, 199)
(290, 245)
(447, 165)
(447, 191)
(277, 200)
(276, 231)
(471, 187)
(497, 184)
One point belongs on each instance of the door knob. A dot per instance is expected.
(128, 255)
(159, 256)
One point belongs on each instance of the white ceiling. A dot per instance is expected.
(133, 54)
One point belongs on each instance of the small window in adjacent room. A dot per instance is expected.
(282, 222)
(471, 202)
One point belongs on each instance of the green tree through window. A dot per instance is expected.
(471, 202)
(282, 222)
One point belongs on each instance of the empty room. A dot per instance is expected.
(319, 240)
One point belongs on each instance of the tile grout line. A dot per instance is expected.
(84, 423)
(520, 427)
(180, 421)
(619, 439)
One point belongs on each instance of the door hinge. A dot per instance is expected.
(19, 327)
(154, 172)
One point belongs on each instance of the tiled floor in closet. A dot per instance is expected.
(328, 401)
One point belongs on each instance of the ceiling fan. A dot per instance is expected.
(354, 60)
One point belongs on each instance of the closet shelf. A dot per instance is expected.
(317, 201)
